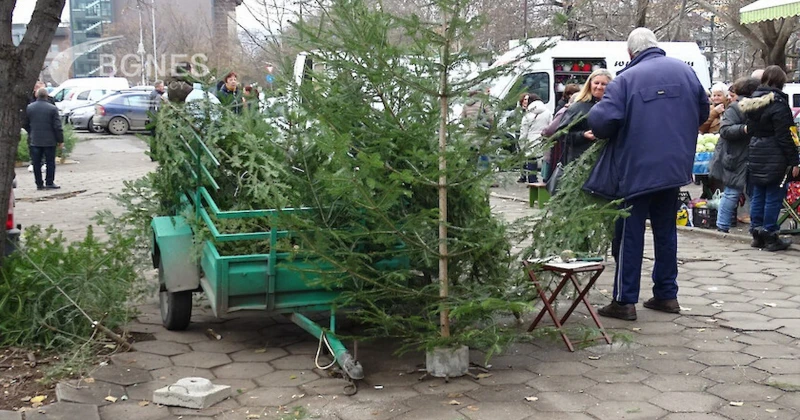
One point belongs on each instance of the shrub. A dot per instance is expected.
(23, 154)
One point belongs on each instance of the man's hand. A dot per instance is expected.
(60, 146)
(795, 171)
(588, 135)
(720, 108)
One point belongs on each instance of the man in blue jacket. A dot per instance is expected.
(650, 114)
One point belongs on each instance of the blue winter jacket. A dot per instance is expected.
(650, 114)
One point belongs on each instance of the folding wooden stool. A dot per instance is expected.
(568, 273)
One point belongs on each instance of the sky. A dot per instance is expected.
(24, 9)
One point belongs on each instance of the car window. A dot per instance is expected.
(97, 94)
(137, 101)
(83, 95)
(61, 95)
(538, 83)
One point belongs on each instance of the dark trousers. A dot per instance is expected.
(766, 203)
(628, 246)
(49, 155)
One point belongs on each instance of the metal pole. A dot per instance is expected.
(155, 52)
(141, 46)
(525, 19)
(711, 47)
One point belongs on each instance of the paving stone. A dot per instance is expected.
(149, 318)
(290, 362)
(303, 347)
(773, 352)
(734, 374)
(264, 354)
(561, 368)
(325, 386)
(562, 416)
(790, 400)
(666, 383)
(778, 366)
(240, 370)
(121, 375)
(163, 348)
(445, 412)
(758, 411)
(671, 367)
(657, 328)
(666, 352)
(173, 373)
(727, 298)
(287, 378)
(392, 378)
(751, 277)
(715, 345)
(238, 386)
(132, 410)
(201, 359)
(703, 266)
(438, 386)
(224, 406)
(321, 406)
(360, 411)
(723, 358)
(64, 411)
(745, 392)
(729, 306)
(564, 401)
(218, 346)
(758, 285)
(793, 331)
(144, 392)
(789, 383)
(622, 392)
(10, 415)
(387, 394)
(768, 295)
(494, 411)
(743, 268)
(507, 376)
(612, 360)
(628, 410)
(194, 335)
(500, 393)
(88, 393)
(615, 375)
(561, 383)
(661, 340)
(693, 416)
(141, 360)
(688, 402)
(269, 396)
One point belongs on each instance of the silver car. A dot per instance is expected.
(82, 118)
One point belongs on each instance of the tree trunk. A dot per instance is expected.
(641, 13)
(19, 68)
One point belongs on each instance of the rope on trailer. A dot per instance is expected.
(323, 337)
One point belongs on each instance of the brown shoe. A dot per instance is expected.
(619, 311)
(669, 305)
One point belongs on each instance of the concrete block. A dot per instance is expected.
(447, 362)
(192, 393)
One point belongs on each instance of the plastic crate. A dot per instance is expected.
(704, 217)
(684, 198)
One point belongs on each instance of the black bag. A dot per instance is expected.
(555, 178)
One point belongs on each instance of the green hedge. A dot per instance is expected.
(70, 138)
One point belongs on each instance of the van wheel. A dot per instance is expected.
(176, 307)
(92, 128)
(118, 126)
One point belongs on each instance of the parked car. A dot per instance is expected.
(80, 97)
(82, 118)
(65, 88)
(123, 112)
(12, 231)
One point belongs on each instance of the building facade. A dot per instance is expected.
(88, 20)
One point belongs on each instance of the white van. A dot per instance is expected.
(110, 83)
(572, 61)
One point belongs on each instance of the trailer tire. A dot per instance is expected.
(176, 307)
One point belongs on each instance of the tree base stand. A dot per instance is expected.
(447, 362)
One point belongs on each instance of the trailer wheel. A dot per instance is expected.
(176, 307)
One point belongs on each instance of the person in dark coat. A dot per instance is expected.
(580, 137)
(180, 84)
(44, 135)
(729, 164)
(773, 156)
(650, 115)
(40, 84)
(230, 94)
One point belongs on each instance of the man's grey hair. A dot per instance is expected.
(158, 82)
(641, 39)
(757, 73)
(41, 93)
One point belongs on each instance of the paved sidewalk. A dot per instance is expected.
(733, 353)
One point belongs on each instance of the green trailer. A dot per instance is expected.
(273, 281)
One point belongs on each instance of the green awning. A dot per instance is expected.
(762, 10)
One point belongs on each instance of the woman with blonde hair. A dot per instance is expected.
(580, 137)
(719, 101)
